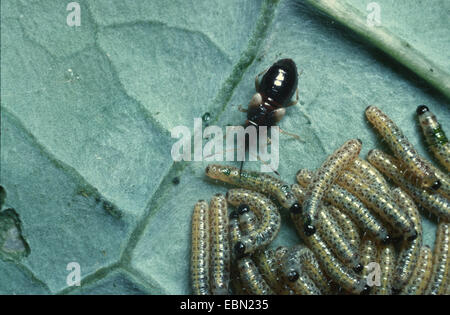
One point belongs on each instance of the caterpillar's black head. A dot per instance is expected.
(422, 109)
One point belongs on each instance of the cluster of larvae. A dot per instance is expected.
(358, 220)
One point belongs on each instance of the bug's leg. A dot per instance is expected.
(294, 101)
(278, 114)
(292, 135)
(243, 110)
(257, 78)
(255, 101)
(240, 169)
(266, 164)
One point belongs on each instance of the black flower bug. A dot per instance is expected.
(273, 94)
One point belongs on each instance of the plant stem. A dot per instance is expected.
(383, 39)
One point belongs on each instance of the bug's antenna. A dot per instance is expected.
(242, 162)
(295, 136)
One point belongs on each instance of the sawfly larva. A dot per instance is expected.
(200, 249)
(402, 148)
(324, 177)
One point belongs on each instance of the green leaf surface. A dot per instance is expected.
(86, 115)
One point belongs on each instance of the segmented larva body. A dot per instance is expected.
(200, 249)
(443, 178)
(268, 266)
(340, 274)
(386, 164)
(350, 204)
(406, 262)
(441, 261)
(418, 282)
(409, 251)
(386, 259)
(346, 247)
(234, 236)
(408, 206)
(235, 283)
(234, 228)
(279, 253)
(401, 147)
(435, 136)
(368, 253)
(260, 182)
(251, 278)
(264, 259)
(269, 219)
(370, 175)
(311, 266)
(220, 248)
(294, 274)
(381, 203)
(349, 228)
(248, 222)
(331, 233)
(324, 177)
